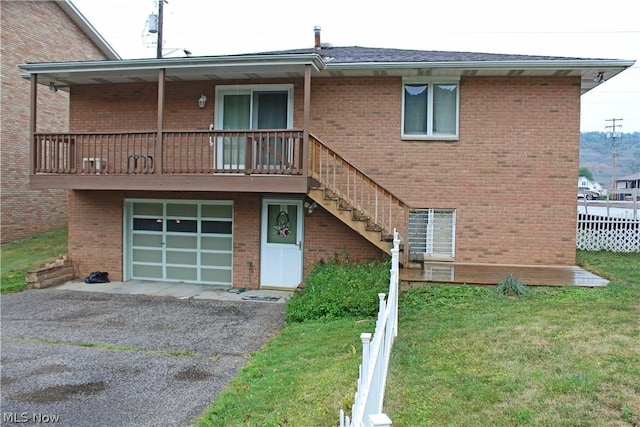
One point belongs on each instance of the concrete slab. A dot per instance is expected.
(179, 291)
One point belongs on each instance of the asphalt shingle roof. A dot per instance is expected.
(357, 54)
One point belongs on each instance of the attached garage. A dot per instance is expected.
(179, 241)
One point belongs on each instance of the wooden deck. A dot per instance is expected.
(483, 274)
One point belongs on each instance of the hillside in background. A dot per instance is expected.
(596, 154)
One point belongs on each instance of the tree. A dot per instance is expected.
(584, 171)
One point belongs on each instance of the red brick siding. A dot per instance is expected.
(124, 108)
(32, 31)
(326, 237)
(510, 176)
(96, 234)
(246, 239)
(96, 231)
(114, 104)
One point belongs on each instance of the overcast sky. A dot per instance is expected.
(574, 28)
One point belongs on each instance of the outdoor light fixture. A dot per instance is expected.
(599, 78)
(202, 101)
(54, 87)
(310, 206)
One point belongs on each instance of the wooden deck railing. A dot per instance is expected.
(362, 193)
(182, 152)
(242, 152)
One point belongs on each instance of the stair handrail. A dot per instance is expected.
(351, 184)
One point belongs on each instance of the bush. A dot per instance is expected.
(511, 287)
(334, 290)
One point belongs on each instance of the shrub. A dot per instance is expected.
(335, 290)
(511, 286)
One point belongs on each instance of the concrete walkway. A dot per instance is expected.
(178, 291)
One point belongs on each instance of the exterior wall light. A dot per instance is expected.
(202, 101)
(310, 206)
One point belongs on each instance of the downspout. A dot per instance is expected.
(33, 110)
(306, 121)
(159, 146)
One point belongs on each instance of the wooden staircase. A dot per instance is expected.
(354, 198)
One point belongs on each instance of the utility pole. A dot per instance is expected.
(613, 134)
(159, 46)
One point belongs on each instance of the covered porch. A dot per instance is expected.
(239, 160)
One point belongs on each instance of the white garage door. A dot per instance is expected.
(180, 241)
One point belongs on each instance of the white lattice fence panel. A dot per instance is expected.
(598, 233)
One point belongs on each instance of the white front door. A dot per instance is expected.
(281, 243)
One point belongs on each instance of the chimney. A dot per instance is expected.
(316, 31)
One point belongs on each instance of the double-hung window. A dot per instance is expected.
(430, 109)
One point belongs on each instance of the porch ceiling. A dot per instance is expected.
(65, 74)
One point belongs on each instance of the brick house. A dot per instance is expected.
(36, 31)
(243, 170)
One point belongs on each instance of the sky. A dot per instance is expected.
(570, 28)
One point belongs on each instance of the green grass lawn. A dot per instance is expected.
(557, 357)
(465, 356)
(20, 257)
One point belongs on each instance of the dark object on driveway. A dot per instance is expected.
(97, 277)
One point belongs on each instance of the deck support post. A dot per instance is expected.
(33, 111)
(159, 139)
(306, 120)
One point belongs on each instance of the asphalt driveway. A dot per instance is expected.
(96, 359)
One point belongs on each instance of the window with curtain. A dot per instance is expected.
(254, 107)
(244, 107)
(430, 110)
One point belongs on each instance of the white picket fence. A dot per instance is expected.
(596, 232)
(376, 350)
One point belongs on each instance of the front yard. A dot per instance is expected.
(465, 356)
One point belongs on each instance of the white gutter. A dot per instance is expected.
(524, 64)
(175, 63)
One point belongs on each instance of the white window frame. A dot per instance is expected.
(249, 90)
(431, 82)
(429, 217)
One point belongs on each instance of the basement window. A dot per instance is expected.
(432, 234)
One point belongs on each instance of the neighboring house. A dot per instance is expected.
(631, 183)
(588, 189)
(36, 31)
(587, 183)
(244, 170)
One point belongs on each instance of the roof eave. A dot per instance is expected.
(174, 63)
(588, 68)
(475, 65)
